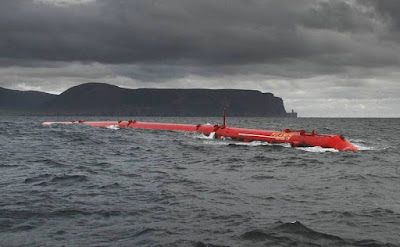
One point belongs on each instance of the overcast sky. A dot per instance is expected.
(325, 58)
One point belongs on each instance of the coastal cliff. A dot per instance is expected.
(110, 100)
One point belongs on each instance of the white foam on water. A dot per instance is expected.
(363, 148)
(205, 137)
(259, 143)
(113, 127)
(252, 144)
(223, 142)
(360, 144)
(217, 142)
(318, 149)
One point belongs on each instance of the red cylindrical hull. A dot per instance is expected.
(295, 138)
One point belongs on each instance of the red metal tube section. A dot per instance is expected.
(297, 138)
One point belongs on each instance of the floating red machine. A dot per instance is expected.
(297, 138)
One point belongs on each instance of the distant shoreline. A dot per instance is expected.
(101, 99)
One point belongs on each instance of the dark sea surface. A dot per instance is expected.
(84, 186)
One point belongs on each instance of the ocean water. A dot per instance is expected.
(84, 186)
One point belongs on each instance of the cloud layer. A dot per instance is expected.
(316, 54)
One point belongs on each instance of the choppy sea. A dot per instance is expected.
(84, 186)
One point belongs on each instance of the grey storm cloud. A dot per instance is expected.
(335, 33)
(386, 9)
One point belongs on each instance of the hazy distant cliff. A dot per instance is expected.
(105, 99)
(22, 101)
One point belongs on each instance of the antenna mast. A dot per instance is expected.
(224, 118)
